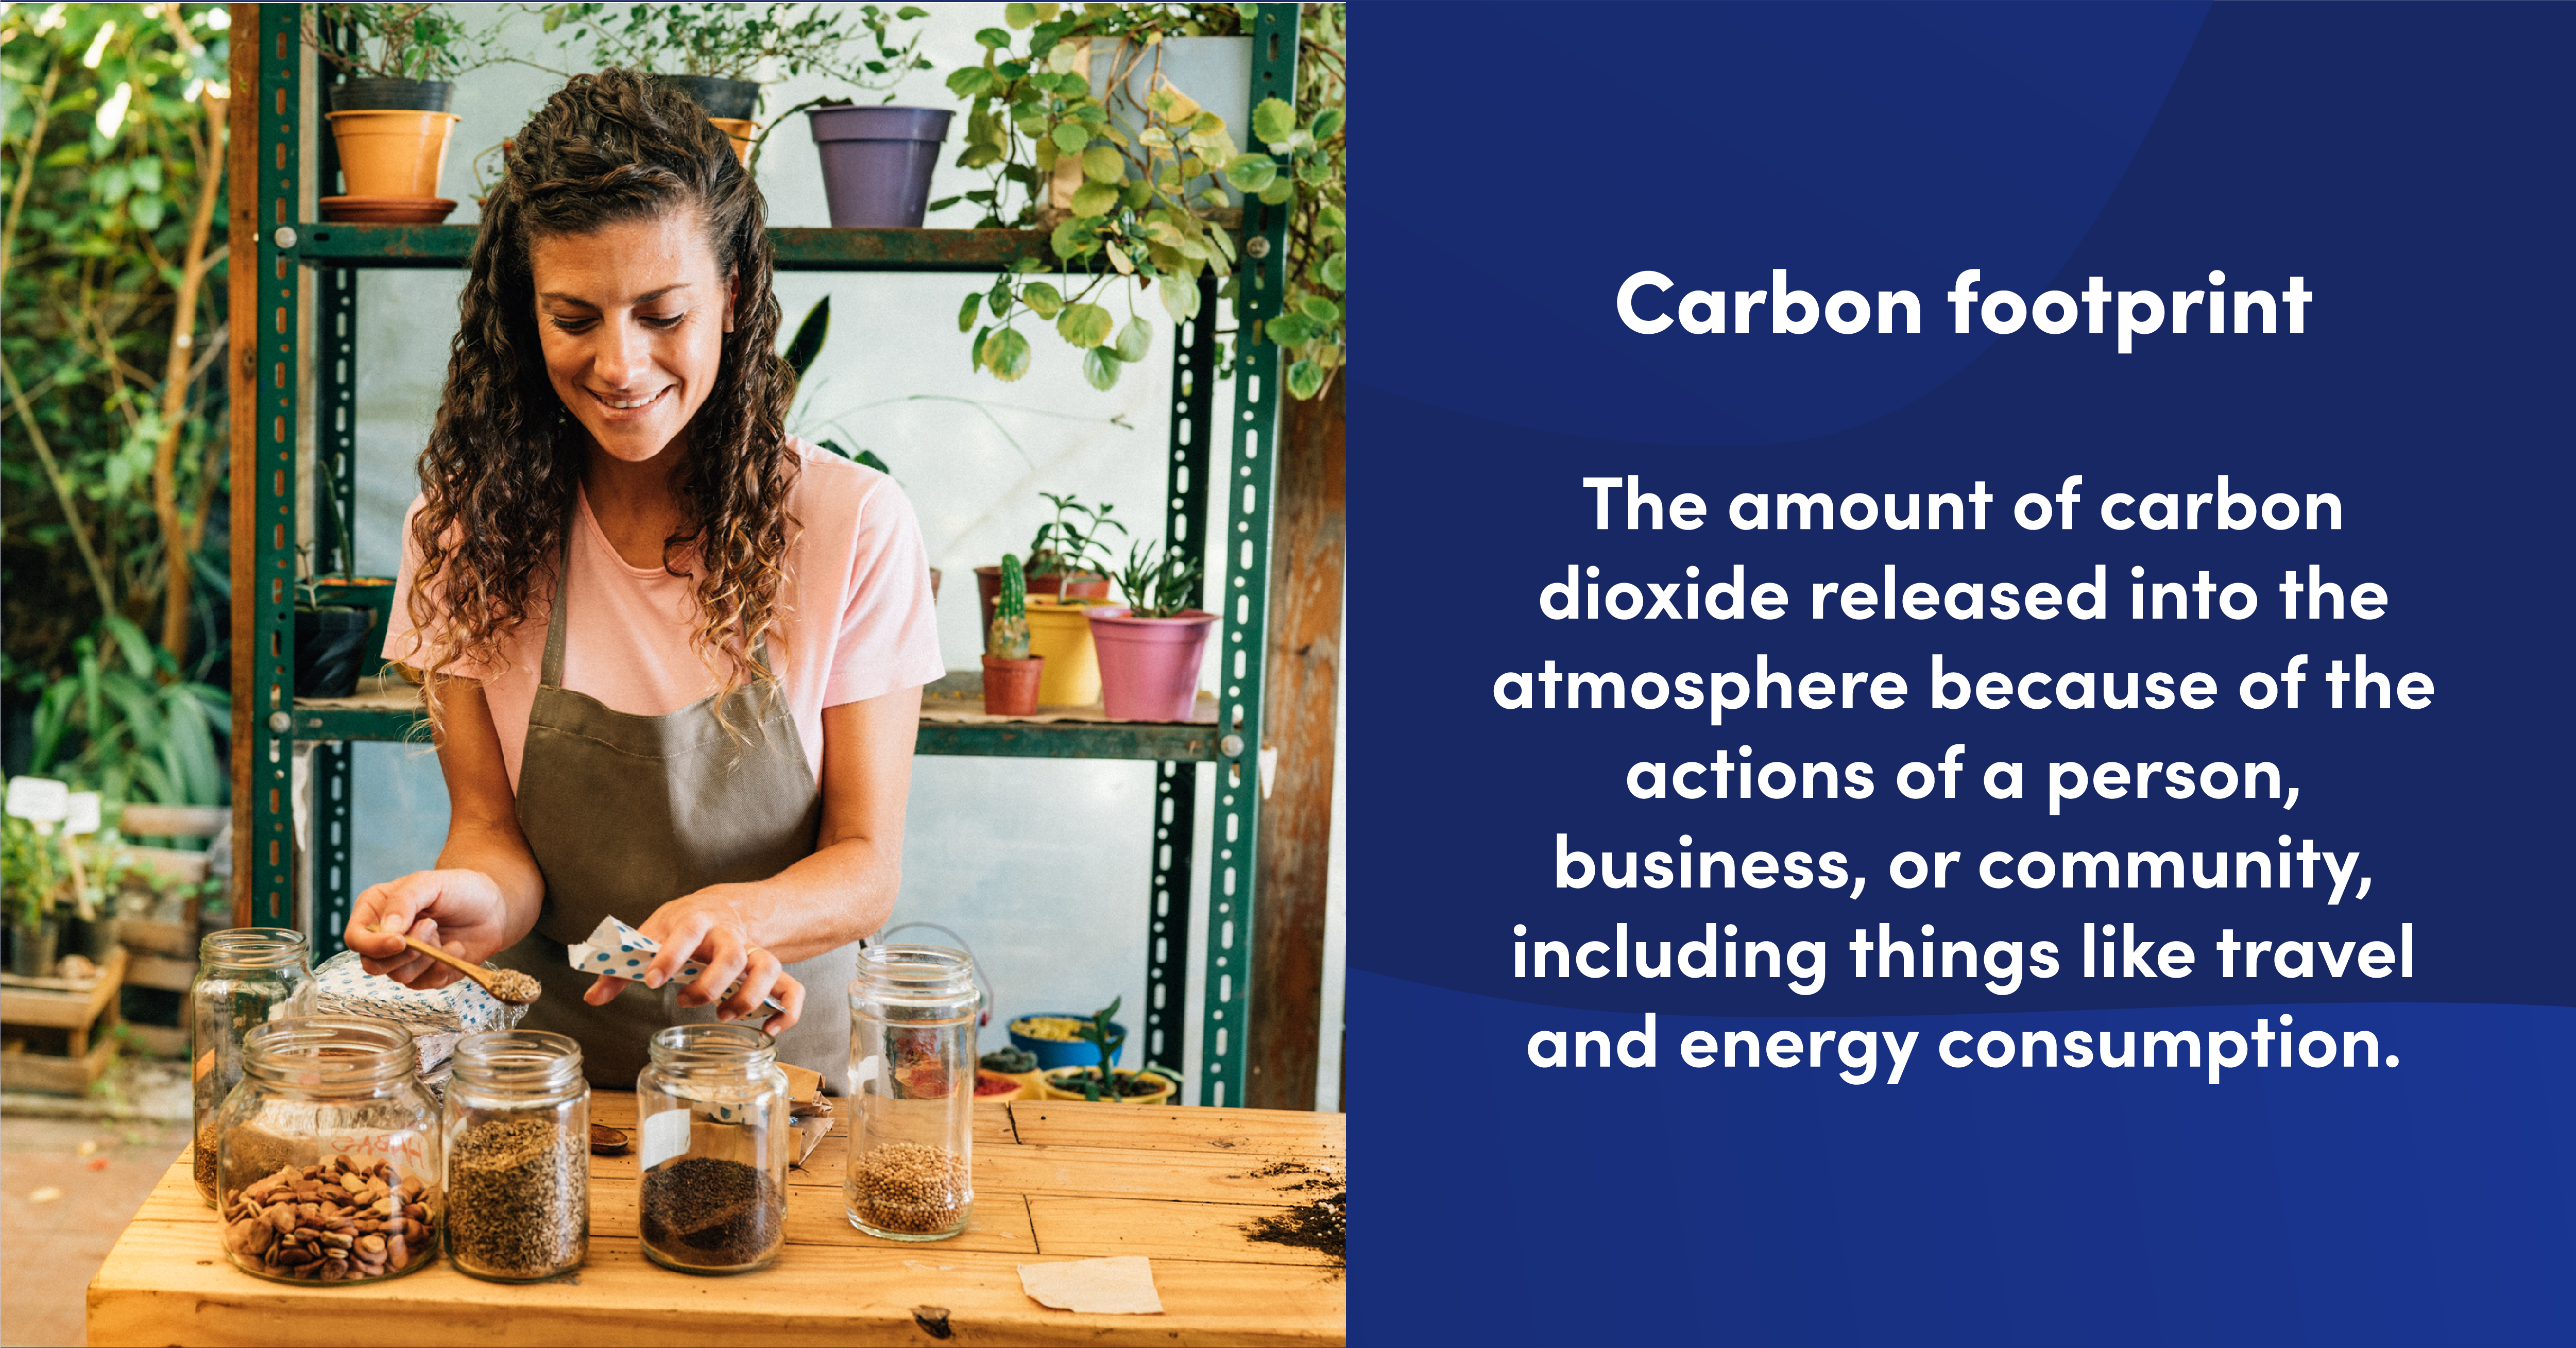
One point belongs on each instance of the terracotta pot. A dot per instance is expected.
(388, 153)
(1059, 631)
(988, 588)
(741, 131)
(1011, 686)
(1149, 667)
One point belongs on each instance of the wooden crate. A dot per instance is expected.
(49, 1006)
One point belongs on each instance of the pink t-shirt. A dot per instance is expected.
(854, 607)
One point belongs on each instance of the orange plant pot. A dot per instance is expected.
(741, 131)
(392, 153)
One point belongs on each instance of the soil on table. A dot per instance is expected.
(1320, 1223)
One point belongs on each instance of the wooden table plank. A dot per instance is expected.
(1085, 1228)
(163, 1284)
(1175, 1185)
(1257, 1132)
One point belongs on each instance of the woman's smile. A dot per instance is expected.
(630, 402)
(631, 317)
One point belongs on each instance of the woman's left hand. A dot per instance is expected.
(707, 928)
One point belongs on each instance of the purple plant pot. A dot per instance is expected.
(1149, 667)
(877, 163)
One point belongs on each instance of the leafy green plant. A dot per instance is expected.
(1158, 586)
(743, 42)
(124, 720)
(112, 276)
(399, 42)
(1071, 543)
(1307, 161)
(1008, 638)
(31, 876)
(1146, 202)
(1100, 1034)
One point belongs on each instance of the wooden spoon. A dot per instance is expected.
(507, 985)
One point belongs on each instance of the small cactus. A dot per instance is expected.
(1009, 638)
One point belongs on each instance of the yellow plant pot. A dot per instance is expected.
(1065, 1083)
(1059, 631)
(392, 153)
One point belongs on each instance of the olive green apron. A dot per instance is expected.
(625, 813)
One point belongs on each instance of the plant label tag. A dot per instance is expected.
(41, 799)
(665, 1135)
(82, 814)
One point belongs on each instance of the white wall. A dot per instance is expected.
(1040, 865)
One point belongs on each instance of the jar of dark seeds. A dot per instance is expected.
(246, 977)
(713, 1144)
(516, 1127)
(912, 1078)
(328, 1160)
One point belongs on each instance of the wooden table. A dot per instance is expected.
(1052, 1181)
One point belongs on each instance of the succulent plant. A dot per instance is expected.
(1009, 637)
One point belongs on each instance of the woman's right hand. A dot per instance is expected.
(459, 911)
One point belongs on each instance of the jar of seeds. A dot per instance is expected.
(713, 1149)
(246, 977)
(912, 1076)
(328, 1160)
(516, 1128)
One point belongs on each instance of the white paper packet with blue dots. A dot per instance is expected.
(618, 949)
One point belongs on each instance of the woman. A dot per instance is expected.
(674, 657)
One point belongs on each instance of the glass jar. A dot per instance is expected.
(328, 1153)
(246, 977)
(713, 1149)
(516, 1133)
(912, 1077)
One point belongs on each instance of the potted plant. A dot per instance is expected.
(1011, 674)
(330, 643)
(716, 54)
(1149, 651)
(29, 882)
(389, 114)
(1126, 166)
(1118, 1085)
(1068, 558)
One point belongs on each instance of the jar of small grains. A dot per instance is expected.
(713, 1151)
(328, 1158)
(912, 1079)
(517, 1134)
(246, 977)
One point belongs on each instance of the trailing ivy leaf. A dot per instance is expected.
(945, 202)
(1332, 272)
(1273, 120)
(1305, 379)
(808, 341)
(1320, 310)
(1251, 172)
(999, 297)
(971, 82)
(1103, 164)
(1135, 340)
(912, 12)
(1138, 193)
(1073, 238)
(1328, 124)
(1084, 325)
(994, 37)
(1286, 330)
(1180, 298)
(1019, 16)
(1275, 193)
(966, 315)
(1314, 173)
(975, 352)
(1094, 199)
(1043, 299)
(1008, 355)
(1100, 369)
(1070, 137)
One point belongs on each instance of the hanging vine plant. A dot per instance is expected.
(1143, 186)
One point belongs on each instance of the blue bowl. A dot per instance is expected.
(1060, 1053)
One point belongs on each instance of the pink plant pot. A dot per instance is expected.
(1149, 667)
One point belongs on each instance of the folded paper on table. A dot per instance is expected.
(617, 949)
(1120, 1286)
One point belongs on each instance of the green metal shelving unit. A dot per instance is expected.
(294, 251)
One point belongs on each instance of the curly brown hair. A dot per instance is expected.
(506, 457)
